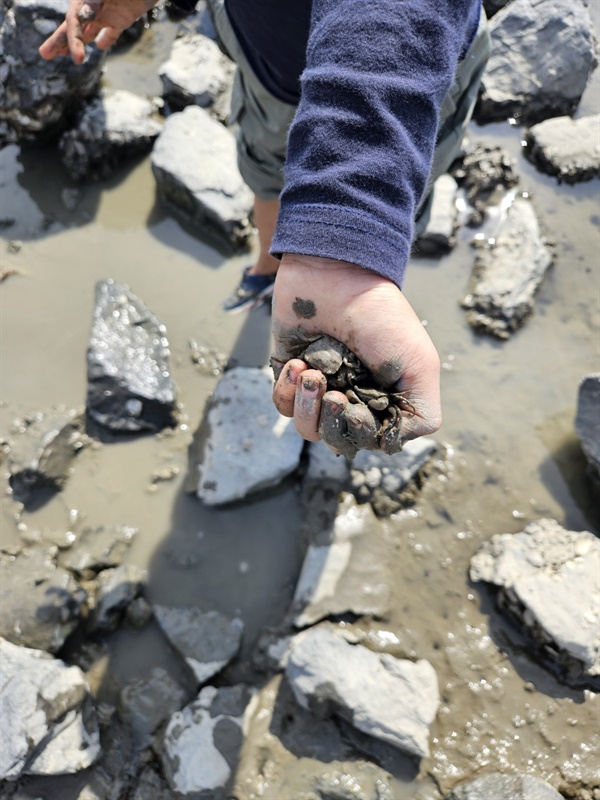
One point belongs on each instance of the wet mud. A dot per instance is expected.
(513, 457)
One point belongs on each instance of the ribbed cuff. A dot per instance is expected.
(344, 235)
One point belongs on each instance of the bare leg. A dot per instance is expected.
(265, 219)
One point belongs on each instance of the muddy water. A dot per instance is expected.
(509, 410)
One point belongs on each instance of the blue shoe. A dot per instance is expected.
(251, 292)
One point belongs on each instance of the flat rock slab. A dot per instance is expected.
(549, 580)
(543, 52)
(587, 423)
(206, 640)
(345, 570)
(195, 166)
(42, 449)
(37, 97)
(145, 703)
(95, 549)
(201, 744)
(565, 147)
(196, 73)
(49, 725)
(114, 127)
(130, 389)
(508, 273)
(243, 444)
(505, 787)
(329, 676)
(40, 602)
(387, 482)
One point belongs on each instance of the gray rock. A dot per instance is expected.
(206, 640)
(243, 444)
(387, 482)
(325, 465)
(98, 548)
(345, 570)
(146, 703)
(37, 97)
(42, 450)
(549, 580)
(195, 165)
(116, 126)
(566, 147)
(40, 602)
(505, 787)
(201, 744)
(543, 53)
(587, 423)
(48, 721)
(439, 234)
(130, 388)
(116, 589)
(392, 700)
(196, 73)
(139, 612)
(151, 786)
(508, 273)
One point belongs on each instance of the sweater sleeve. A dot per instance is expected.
(361, 144)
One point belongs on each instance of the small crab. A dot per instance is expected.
(373, 417)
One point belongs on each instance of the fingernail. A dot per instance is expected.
(310, 389)
(293, 374)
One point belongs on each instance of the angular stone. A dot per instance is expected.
(542, 56)
(196, 73)
(243, 444)
(385, 481)
(116, 589)
(130, 388)
(40, 603)
(387, 698)
(42, 450)
(505, 787)
(565, 147)
(439, 234)
(549, 580)
(48, 722)
(201, 743)
(146, 703)
(206, 640)
(38, 98)
(195, 165)
(345, 570)
(587, 423)
(508, 273)
(114, 127)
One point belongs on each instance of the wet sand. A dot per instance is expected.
(508, 420)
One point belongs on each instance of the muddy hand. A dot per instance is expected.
(99, 21)
(374, 320)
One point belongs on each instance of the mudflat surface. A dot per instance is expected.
(509, 410)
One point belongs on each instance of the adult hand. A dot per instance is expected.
(102, 21)
(371, 316)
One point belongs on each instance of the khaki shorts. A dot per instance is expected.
(263, 120)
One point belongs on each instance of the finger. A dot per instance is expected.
(363, 428)
(91, 31)
(310, 388)
(284, 391)
(107, 37)
(55, 45)
(332, 424)
(75, 37)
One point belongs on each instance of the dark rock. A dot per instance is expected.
(37, 97)
(130, 388)
(116, 589)
(42, 450)
(115, 127)
(482, 173)
(40, 602)
(542, 56)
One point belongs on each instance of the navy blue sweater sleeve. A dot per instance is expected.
(361, 144)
